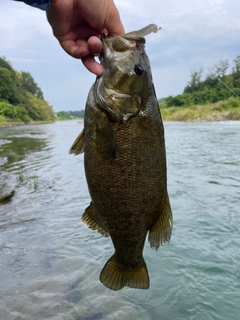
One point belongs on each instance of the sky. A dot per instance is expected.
(194, 34)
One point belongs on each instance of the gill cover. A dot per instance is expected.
(124, 84)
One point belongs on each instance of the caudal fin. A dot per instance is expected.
(115, 276)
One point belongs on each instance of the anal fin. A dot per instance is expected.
(161, 231)
(90, 218)
(78, 145)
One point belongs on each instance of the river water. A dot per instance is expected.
(50, 261)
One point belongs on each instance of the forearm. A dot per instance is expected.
(41, 4)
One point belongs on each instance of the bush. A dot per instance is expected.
(233, 115)
(180, 100)
(17, 113)
(2, 120)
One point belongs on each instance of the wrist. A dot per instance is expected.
(40, 4)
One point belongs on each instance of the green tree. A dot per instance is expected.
(17, 113)
(20, 97)
(221, 68)
(8, 77)
(179, 100)
(64, 115)
(39, 109)
(195, 81)
(236, 68)
(77, 114)
(30, 85)
(6, 84)
(236, 72)
(5, 64)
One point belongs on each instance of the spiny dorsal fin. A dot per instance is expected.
(90, 218)
(161, 231)
(78, 145)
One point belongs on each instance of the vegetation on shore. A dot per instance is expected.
(21, 99)
(70, 115)
(207, 98)
(220, 111)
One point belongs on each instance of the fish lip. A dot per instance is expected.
(103, 53)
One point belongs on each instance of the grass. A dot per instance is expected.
(223, 110)
(32, 182)
(20, 175)
(35, 182)
(3, 119)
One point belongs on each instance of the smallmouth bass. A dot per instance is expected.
(125, 160)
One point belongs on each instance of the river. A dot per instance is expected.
(50, 261)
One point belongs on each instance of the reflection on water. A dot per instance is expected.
(18, 142)
(50, 261)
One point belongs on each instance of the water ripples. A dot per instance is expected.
(50, 261)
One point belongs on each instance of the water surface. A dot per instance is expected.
(50, 262)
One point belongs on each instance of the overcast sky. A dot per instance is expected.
(195, 34)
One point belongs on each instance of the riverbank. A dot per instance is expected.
(10, 123)
(227, 110)
(219, 111)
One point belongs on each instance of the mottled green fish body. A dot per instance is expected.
(125, 160)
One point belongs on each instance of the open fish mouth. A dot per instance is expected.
(102, 54)
(126, 41)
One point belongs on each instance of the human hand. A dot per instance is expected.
(78, 25)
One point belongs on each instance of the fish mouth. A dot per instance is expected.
(118, 46)
(103, 53)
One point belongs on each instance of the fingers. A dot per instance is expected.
(114, 28)
(113, 22)
(94, 45)
(94, 67)
(81, 48)
(85, 50)
(76, 50)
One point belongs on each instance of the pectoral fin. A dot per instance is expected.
(161, 231)
(90, 218)
(78, 145)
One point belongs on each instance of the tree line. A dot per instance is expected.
(207, 88)
(68, 115)
(21, 99)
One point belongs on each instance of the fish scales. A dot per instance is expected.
(125, 161)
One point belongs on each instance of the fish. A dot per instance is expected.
(125, 160)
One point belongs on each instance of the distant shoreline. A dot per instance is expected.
(11, 124)
(16, 123)
(225, 110)
(215, 117)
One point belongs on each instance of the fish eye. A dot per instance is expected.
(139, 70)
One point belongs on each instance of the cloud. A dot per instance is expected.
(19, 23)
(195, 33)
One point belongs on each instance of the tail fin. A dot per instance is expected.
(115, 276)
